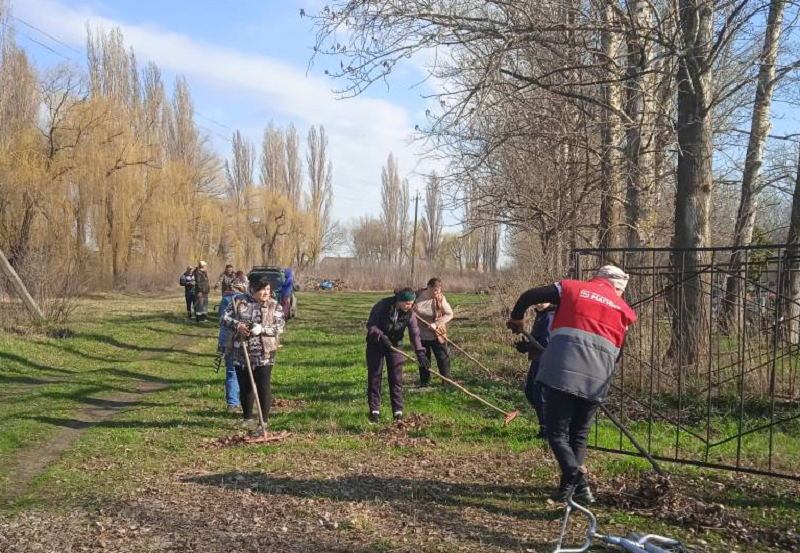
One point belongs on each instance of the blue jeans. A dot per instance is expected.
(534, 391)
(231, 385)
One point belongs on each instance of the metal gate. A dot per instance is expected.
(717, 383)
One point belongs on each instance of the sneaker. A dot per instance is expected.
(375, 416)
(398, 415)
(256, 433)
(423, 384)
(233, 409)
(248, 423)
(584, 496)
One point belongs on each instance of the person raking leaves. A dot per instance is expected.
(586, 340)
(534, 391)
(257, 322)
(386, 327)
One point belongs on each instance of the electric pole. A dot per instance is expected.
(414, 238)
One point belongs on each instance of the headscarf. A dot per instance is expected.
(615, 275)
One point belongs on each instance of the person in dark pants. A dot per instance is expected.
(201, 290)
(187, 281)
(586, 339)
(224, 345)
(386, 327)
(256, 322)
(534, 391)
(431, 306)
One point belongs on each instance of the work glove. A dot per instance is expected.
(256, 329)
(387, 343)
(515, 325)
(422, 359)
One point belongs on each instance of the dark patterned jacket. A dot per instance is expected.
(247, 310)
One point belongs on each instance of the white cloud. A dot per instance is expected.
(362, 130)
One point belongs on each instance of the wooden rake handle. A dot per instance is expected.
(508, 417)
(449, 341)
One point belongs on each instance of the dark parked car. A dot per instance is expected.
(276, 277)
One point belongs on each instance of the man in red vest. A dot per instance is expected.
(576, 368)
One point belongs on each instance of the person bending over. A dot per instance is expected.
(576, 368)
(386, 327)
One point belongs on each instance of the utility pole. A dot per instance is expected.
(414, 238)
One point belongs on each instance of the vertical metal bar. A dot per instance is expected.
(653, 344)
(710, 357)
(742, 318)
(680, 352)
(622, 377)
(775, 345)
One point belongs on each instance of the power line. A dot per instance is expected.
(224, 126)
(212, 131)
(43, 45)
(48, 35)
(64, 44)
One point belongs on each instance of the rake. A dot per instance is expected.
(507, 416)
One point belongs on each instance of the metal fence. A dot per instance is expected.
(733, 401)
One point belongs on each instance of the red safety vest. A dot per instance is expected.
(594, 307)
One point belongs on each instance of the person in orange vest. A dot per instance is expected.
(575, 370)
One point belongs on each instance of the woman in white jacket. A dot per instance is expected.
(432, 307)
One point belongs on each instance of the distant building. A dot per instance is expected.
(335, 264)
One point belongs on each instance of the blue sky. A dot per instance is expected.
(248, 64)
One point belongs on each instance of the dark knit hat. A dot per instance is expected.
(405, 295)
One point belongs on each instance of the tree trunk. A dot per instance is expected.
(640, 131)
(759, 128)
(693, 194)
(791, 268)
(611, 156)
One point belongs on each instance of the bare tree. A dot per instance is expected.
(273, 167)
(294, 166)
(239, 170)
(391, 208)
(433, 217)
(759, 129)
(320, 174)
(404, 238)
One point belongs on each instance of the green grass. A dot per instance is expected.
(458, 457)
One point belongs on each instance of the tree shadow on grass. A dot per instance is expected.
(29, 364)
(118, 424)
(432, 501)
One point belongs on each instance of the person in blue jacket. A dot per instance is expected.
(534, 390)
(286, 293)
(237, 290)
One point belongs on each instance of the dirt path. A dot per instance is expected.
(33, 461)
